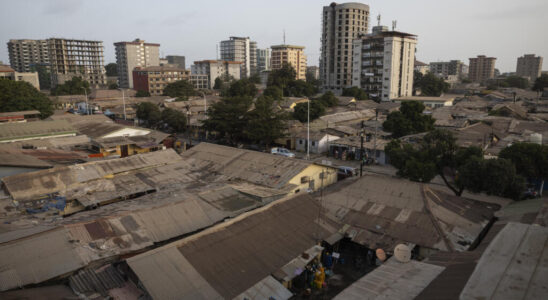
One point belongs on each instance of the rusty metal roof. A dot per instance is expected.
(34, 130)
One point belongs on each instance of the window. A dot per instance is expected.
(313, 143)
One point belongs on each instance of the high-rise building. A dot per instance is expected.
(384, 62)
(292, 55)
(446, 68)
(177, 60)
(481, 68)
(263, 60)
(241, 49)
(130, 55)
(313, 72)
(529, 66)
(217, 68)
(341, 23)
(25, 54)
(70, 58)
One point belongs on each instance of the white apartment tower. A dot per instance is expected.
(529, 66)
(241, 49)
(341, 23)
(384, 62)
(216, 68)
(130, 55)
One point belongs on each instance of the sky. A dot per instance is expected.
(446, 29)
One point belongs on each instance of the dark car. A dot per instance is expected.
(345, 172)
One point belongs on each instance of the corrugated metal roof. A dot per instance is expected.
(267, 288)
(392, 280)
(22, 160)
(37, 129)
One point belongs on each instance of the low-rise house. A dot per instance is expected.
(431, 102)
(509, 109)
(19, 116)
(319, 141)
(345, 101)
(348, 148)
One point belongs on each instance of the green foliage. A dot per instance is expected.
(410, 162)
(112, 69)
(408, 120)
(44, 76)
(517, 82)
(21, 95)
(142, 94)
(430, 84)
(311, 80)
(264, 125)
(255, 79)
(149, 113)
(228, 118)
(75, 86)
(113, 86)
(328, 99)
(241, 88)
(541, 83)
(355, 92)
(181, 88)
(273, 92)
(530, 160)
(218, 83)
(301, 111)
(176, 120)
(284, 78)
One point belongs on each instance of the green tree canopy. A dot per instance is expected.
(355, 92)
(149, 113)
(264, 124)
(112, 69)
(273, 92)
(430, 84)
(517, 82)
(328, 99)
(242, 88)
(530, 160)
(541, 83)
(301, 111)
(181, 88)
(228, 118)
(142, 93)
(218, 83)
(113, 86)
(285, 79)
(255, 78)
(21, 95)
(44, 76)
(408, 120)
(75, 86)
(176, 120)
(300, 88)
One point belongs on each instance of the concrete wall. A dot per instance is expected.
(313, 174)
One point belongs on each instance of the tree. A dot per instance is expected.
(517, 82)
(328, 99)
(149, 113)
(218, 83)
(113, 86)
(431, 85)
(242, 88)
(300, 88)
(181, 88)
(264, 125)
(175, 119)
(44, 76)
(112, 69)
(530, 160)
(228, 118)
(541, 83)
(282, 77)
(142, 93)
(75, 86)
(408, 120)
(255, 78)
(21, 95)
(355, 92)
(301, 111)
(273, 92)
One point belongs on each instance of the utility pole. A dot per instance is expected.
(375, 137)
(361, 151)
(124, 101)
(308, 133)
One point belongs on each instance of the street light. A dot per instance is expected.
(308, 132)
(124, 102)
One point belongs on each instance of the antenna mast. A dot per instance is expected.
(216, 51)
(284, 36)
(394, 25)
(379, 20)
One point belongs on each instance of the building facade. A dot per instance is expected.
(199, 81)
(529, 66)
(263, 60)
(481, 68)
(453, 67)
(383, 63)
(421, 67)
(177, 60)
(292, 55)
(25, 54)
(313, 72)
(155, 79)
(241, 49)
(217, 68)
(130, 55)
(30, 77)
(341, 23)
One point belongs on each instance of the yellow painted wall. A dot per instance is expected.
(313, 172)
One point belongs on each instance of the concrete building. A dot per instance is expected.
(25, 54)
(177, 60)
(421, 67)
(263, 60)
(130, 55)
(290, 54)
(199, 81)
(241, 49)
(217, 68)
(11, 74)
(70, 58)
(446, 68)
(313, 71)
(341, 23)
(481, 68)
(529, 66)
(383, 63)
(155, 79)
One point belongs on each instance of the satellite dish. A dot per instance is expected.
(402, 253)
(381, 255)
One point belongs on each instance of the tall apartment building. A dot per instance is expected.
(529, 66)
(130, 55)
(341, 23)
(241, 49)
(155, 79)
(384, 62)
(313, 71)
(217, 68)
(290, 54)
(446, 68)
(481, 68)
(177, 60)
(25, 54)
(69, 58)
(263, 60)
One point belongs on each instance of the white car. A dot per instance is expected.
(282, 152)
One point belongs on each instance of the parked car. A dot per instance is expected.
(345, 172)
(530, 193)
(282, 152)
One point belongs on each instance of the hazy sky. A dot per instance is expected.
(446, 29)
